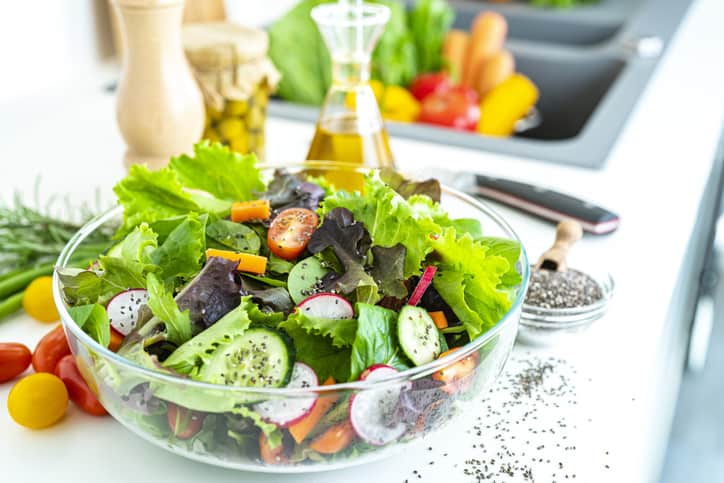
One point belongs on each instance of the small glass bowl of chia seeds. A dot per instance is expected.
(559, 304)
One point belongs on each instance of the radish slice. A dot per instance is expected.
(123, 309)
(327, 306)
(371, 411)
(422, 285)
(287, 411)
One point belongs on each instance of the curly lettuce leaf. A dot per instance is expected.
(148, 196)
(508, 249)
(341, 331)
(93, 320)
(121, 273)
(221, 172)
(391, 219)
(137, 245)
(179, 256)
(469, 281)
(318, 352)
(374, 341)
(163, 307)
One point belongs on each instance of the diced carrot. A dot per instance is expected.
(301, 429)
(439, 318)
(116, 340)
(269, 455)
(247, 262)
(250, 210)
(333, 440)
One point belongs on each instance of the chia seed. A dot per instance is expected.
(549, 289)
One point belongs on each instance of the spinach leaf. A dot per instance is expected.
(388, 270)
(375, 341)
(225, 234)
(93, 320)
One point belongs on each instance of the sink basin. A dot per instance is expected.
(587, 63)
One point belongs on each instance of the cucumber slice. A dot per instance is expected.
(304, 277)
(260, 358)
(418, 335)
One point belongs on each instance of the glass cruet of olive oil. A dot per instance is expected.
(350, 127)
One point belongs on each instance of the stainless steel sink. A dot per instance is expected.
(590, 63)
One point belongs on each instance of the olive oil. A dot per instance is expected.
(344, 139)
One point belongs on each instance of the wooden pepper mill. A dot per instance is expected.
(568, 232)
(160, 109)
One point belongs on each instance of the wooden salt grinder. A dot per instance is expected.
(568, 232)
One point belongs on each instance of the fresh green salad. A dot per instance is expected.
(221, 276)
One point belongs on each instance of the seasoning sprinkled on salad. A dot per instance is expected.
(221, 276)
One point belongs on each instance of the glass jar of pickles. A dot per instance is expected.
(236, 77)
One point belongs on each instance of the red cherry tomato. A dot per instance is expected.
(290, 232)
(78, 390)
(269, 455)
(14, 359)
(426, 84)
(51, 349)
(456, 108)
(184, 423)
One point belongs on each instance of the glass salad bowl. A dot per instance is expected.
(371, 418)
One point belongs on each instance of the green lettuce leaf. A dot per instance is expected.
(148, 196)
(93, 320)
(508, 249)
(81, 287)
(163, 306)
(218, 170)
(468, 279)
(227, 235)
(388, 270)
(137, 245)
(122, 274)
(341, 331)
(318, 352)
(179, 256)
(375, 341)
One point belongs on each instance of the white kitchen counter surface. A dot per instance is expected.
(654, 178)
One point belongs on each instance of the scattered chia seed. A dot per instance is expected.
(549, 289)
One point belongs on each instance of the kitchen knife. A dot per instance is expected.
(544, 203)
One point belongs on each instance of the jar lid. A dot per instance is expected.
(215, 45)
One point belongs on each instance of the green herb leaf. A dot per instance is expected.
(375, 341)
(218, 170)
(93, 319)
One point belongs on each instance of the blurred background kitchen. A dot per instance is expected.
(71, 46)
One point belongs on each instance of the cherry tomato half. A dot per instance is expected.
(290, 232)
(426, 84)
(456, 108)
(51, 348)
(78, 390)
(14, 359)
(184, 423)
(38, 400)
(269, 455)
(457, 376)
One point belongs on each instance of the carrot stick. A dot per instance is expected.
(486, 38)
(250, 210)
(300, 430)
(247, 262)
(439, 318)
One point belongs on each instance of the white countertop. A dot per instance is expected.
(654, 178)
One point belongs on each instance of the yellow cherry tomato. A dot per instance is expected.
(38, 401)
(38, 300)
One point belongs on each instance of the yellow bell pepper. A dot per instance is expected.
(508, 102)
(396, 103)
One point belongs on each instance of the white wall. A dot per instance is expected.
(49, 42)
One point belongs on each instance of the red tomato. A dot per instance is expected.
(426, 84)
(269, 455)
(78, 390)
(116, 340)
(14, 359)
(456, 108)
(51, 348)
(290, 232)
(184, 423)
(457, 376)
